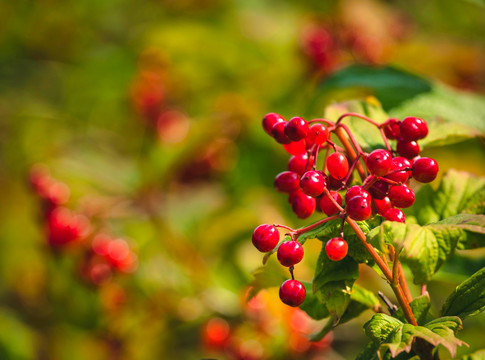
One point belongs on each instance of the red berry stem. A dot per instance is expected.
(379, 126)
(395, 285)
(351, 170)
(360, 116)
(284, 227)
(352, 138)
(350, 150)
(334, 202)
(330, 123)
(291, 268)
(389, 181)
(303, 230)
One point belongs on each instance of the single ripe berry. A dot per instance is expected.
(303, 205)
(413, 128)
(269, 120)
(391, 128)
(381, 206)
(379, 190)
(292, 293)
(327, 206)
(312, 183)
(317, 134)
(399, 162)
(300, 163)
(287, 182)
(337, 165)
(295, 147)
(296, 129)
(379, 162)
(278, 132)
(401, 196)
(408, 149)
(265, 237)
(359, 208)
(336, 248)
(354, 191)
(334, 184)
(425, 169)
(394, 214)
(290, 253)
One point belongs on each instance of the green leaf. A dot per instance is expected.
(472, 229)
(312, 306)
(420, 307)
(396, 337)
(361, 299)
(468, 299)
(449, 105)
(459, 192)
(424, 248)
(390, 85)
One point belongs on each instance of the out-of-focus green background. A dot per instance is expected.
(150, 112)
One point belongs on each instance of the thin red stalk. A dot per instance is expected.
(350, 151)
(352, 138)
(363, 117)
(303, 230)
(386, 141)
(386, 271)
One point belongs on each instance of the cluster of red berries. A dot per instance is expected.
(384, 189)
(65, 228)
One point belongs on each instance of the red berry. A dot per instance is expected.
(265, 237)
(379, 162)
(292, 293)
(64, 227)
(296, 129)
(399, 162)
(317, 134)
(391, 129)
(354, 191)
(287, 182)
(216, 334)
(381, 206)
(303, 205)
(278, 132)
(326, 204)
(413, 128)
(359, 208)
(408, 149)
(378, 190)
(269, 120)
(337, 165)
(394, 214)
(312, 183)
(425, 169)
(290, 253)
(300, 163)
(401, 196)
(334, 184)
(295, 147)
(336, 248)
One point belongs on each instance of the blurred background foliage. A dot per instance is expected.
(149, 113)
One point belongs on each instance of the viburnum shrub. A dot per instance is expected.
(365, 224)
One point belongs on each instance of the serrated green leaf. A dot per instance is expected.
(424, 248)
(395, 337)
(419, 306)
(468, 299)
(472, 230)
(365, 297)
(459, 192)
